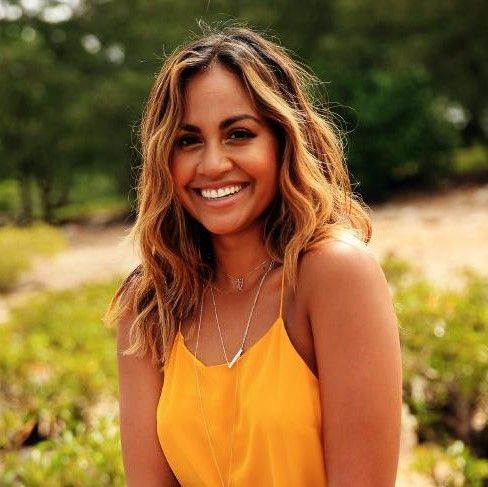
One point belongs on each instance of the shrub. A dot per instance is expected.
(57, 378)
(450, 467)
(444, 337)
(78, 458)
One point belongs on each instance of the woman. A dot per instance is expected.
(257, 340)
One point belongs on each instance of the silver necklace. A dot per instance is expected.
(239, 279)
(229, 365)
(241, 348)
(205, 422)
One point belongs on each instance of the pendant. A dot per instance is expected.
(239, 283)
(236, 356)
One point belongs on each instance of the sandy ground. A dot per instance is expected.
(438, 233)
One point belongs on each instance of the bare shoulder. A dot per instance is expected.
(345, 287)
(339, 261)
(356, 342)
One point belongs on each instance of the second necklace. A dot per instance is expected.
(241, 348)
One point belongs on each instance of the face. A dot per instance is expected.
(225, 162)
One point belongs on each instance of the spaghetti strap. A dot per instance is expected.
(282, 289)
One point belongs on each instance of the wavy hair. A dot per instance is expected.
(313, 203)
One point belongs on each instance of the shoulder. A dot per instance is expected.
(357, 349)
(341, 260)
(344, 287)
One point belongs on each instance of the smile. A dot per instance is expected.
(220, 193)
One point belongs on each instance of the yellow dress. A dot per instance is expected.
(277, 417)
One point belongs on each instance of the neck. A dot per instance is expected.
(237, 255)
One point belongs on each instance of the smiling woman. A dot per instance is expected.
(231, 149)
(257, 342)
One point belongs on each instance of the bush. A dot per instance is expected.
(81, 458)
(471, 159)
(57, 384)
(450, 467)
(444, 337)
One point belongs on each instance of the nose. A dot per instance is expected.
(213, 162)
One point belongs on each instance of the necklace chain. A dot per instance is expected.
(212, 450)
(205, 422)
(238, 279)
(241, 348)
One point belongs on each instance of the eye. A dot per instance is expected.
(241, 134)
(186, 140)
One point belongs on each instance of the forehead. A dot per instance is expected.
(216, 93)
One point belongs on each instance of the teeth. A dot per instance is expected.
(219, 193)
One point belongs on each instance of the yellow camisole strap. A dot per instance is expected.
(275, 413)
(282, 291)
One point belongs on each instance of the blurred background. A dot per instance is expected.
(406, 81)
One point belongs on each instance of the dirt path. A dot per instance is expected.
(438, 233)
(93, 254)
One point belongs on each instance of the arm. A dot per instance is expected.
(358, 356)
(139, 389)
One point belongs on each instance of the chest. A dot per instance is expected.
(221, 336)
(262, 417)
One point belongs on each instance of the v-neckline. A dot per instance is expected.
(242, 357)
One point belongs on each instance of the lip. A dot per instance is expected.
(228, 201)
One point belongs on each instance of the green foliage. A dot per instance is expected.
(58, 339)
(74, 90)
(18, 246)
(452, 466)
(91, 195)
(471, 159)
(456, 32)
(58, 371)
(103, 208)
(85, 456)
(8, 195)
(396, 126)
(444, 337)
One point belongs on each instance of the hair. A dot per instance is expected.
(314, 201)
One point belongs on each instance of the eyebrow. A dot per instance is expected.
(224, 124)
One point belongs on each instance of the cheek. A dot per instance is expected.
(179, 179)
(272, 166)
(180, 174)
(267, 180)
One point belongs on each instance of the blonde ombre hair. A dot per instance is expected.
(314, 201)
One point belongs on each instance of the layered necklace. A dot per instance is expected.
(234, 360)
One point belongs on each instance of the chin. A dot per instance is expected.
(222, 230)
(233, 228)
